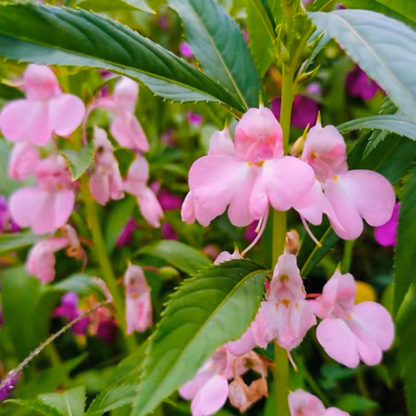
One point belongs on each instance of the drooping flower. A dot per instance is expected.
(47, 206)
(185, 50)
(23, 161)
(348, 332)
(246, 176)
(68, 309)
(386, 234)
(136, 184)
(139, 312)
(126, 234)
(6, 222)
(359, 85)
(106, 182)
(44, 111)
(302, 403)
(125, 127)
(349, 196)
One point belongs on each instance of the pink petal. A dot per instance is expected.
(302, 403)
(128, 132)
(20, 202)
(188, 211)
(338, 341)
(266, 324)
(221, 143)
(23, 161)
(100, 187)
(211, 397)
(333, 411)
(126, 93)
(243, 345)
(64, 204)
(149, 205)
(66, 114)
(189, 389)
(138, 174)
(40, 83)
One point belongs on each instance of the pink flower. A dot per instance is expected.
(125, 127)
(168, 232)
(226, 256)
(139, 315)
(246, 176)
(386, 235)
(194, 118)
(351, 332)
(126, 235)
(136, 184)
(23, 161)
(106, 182)
(359, 85)
(349, 196)
(41, 259)
(185, 50)
(44, 111)
(169, 201)
(47, 206)
(302, 403)
(69, 309)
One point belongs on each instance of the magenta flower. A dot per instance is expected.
(51, 201)
(126, 235)
(44, 111)
(139, 312)
(106, 182)
(69, 310)
(136, 184)
(359, 85)
(168, 201)
(250, 234)
(125, 127)
(185, 50)
(168, 232)
(194, 118)
(349, 196)
(386, 234)
(107, 331)
(23, 161)
(246, 176)
(302, 403)
(8, 388)
(6, 222)
(348, 332)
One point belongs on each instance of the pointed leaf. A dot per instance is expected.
(10, 242)
(383, 47)
(69, 403)
(112, 398)
(114, 5)
(218, 44)
(183, 257)
(89, 40)
(208, 310)
(37, 406)
(79, 161)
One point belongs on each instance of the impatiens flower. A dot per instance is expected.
(302, 403)
(349, 196)
(106, 182)
(226, 256)
(44, 111)
(139, 314)
(169, 201)
(351, 332)
(136, 184)
(47, 206)
(168, 232)
(126, 235)
(185, 50)
(6, 222)
(194, 118)
(69, 310)
(386, 234)
(359, 85)
(246, 176)
(125, 127)
(23, 161)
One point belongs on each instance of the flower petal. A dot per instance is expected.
(149, 205)
(243, 345)
(302, 403)
(66, 113)
(128, 132)
(221, 143)
(211, 397)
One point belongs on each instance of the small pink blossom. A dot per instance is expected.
(194, 118)
(246, 176)
(302, 403)
(386, 234)
(350, 332)
(136, 184)
(23, 161)
(139, 315)
(48, 205)
(348, 196)
(106, 182)
(185, 50)
(44, 111)
(125, 127)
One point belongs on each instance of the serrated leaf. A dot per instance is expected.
(114, 5)
(89, 40)
(79, 161)
(112, 398)
(37, 406)
(179, 255)
(218, 44)
(390, 123)
(207, 311)
(383, 47)
(69, 403)
(405, 254)
(16, 241)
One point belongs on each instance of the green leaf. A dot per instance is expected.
(352, 403)
(16, 241)
(405, 254)
(38, 406)
(89, 40)
(129, 370)
(391, 123)
(218, 44)
(69, 403)
(10, 93)
(181, 256)
(261, 35)
(112, 398)
(79, 161)
(114, 5)
(82, 284)
(383, 47)
(207, 311)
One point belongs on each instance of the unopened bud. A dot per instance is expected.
(168, 273)
(292, 242)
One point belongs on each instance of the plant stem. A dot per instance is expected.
(347, 257)
(104, 261)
